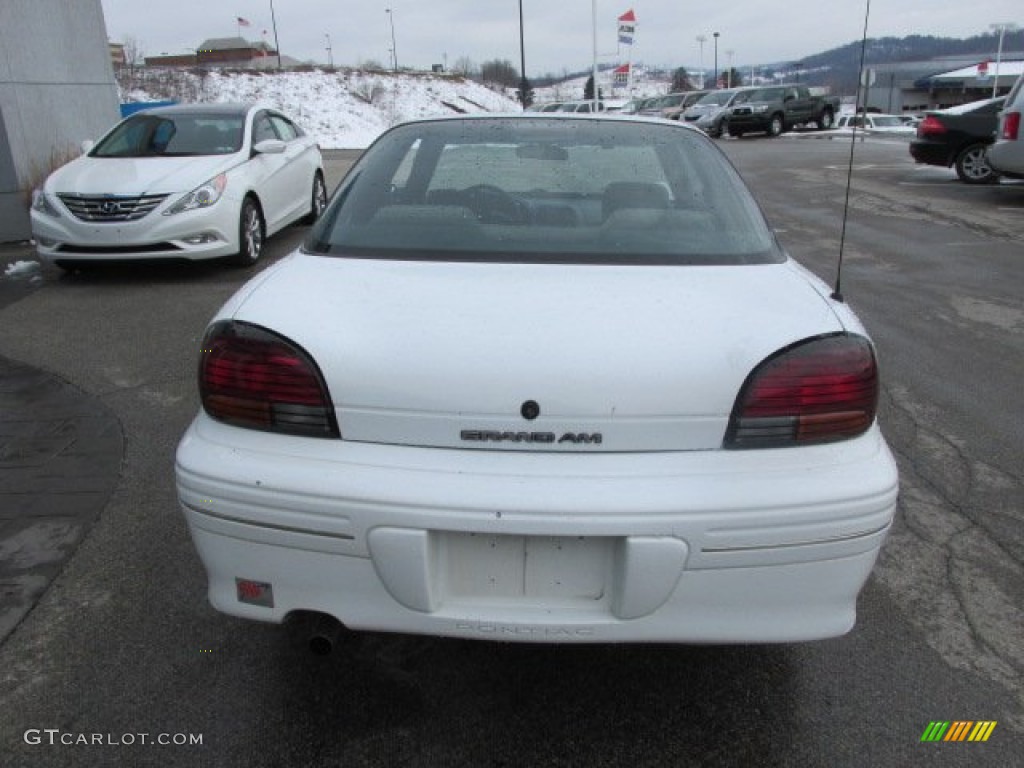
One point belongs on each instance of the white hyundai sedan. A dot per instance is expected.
(188, 181)
(540, 378)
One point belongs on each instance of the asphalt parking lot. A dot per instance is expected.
(122, 641)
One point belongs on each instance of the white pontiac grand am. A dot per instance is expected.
(192, 181)
(540, 378)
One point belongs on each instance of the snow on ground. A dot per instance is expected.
(22, 269)
(346, 109)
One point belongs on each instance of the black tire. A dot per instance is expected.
(776, 125)
(737, 134)
(317, 200)
(826, 121)
(251, 233)
(972, 167)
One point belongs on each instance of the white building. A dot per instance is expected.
(56, 90)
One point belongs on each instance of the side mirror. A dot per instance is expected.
(270, 147)
(87, 146)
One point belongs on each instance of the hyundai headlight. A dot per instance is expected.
(41, 203)
(203, 196)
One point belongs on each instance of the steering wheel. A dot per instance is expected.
(493, 205)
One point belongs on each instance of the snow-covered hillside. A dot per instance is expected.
(344, 109)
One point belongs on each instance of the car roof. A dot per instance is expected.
(616, 117)
(227, 108)
(605, 117)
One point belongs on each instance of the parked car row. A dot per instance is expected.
(771, 110)
(580, 105)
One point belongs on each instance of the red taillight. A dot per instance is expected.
(817, 391)
(250, 377)
(931, 125)
(1011, 126)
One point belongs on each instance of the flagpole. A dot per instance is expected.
(626, 34)
(629, 72)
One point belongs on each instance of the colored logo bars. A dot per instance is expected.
(958, 730)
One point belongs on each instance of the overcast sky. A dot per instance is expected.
(558, 34)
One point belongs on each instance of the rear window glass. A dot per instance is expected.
(535, 189)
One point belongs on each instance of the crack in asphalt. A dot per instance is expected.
(942, 547)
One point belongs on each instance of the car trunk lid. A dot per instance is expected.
(547, 357)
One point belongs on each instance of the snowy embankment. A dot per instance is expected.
(343, 109)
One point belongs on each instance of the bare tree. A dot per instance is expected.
(681, 81)
(133, 58)
(464, 66)
(500, 71)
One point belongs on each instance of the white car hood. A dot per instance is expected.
(422, 353)
(137, 175)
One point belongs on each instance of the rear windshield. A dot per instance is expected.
(536, 190)
(173, 136)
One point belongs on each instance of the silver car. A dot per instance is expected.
(1006, 156)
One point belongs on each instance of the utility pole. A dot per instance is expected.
(701, 40)
(1003, 27)
(277, 45)
(715, 35)
(394, 49)
(523, 82)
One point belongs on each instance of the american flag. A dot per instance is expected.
(243, 22)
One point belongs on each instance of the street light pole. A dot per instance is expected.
(593, 68)
(277, 44)
(330, 54)
(1002, 27)
(394, 50)
(715, 35)
(700, 41)
(523, 83)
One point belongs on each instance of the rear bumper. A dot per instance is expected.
(931, 154)
(723, 546)
(1007, 158)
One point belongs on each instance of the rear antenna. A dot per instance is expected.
(837, 293)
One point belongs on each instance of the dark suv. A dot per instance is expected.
(959, 136)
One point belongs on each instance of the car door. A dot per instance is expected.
(269, 174)
(799, 105)
(301, 155)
